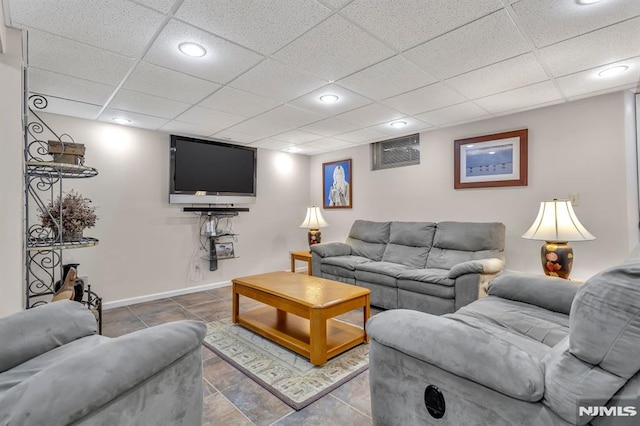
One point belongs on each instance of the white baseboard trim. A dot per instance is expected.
(156, 296)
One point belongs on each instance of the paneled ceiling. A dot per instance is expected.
(426, 63)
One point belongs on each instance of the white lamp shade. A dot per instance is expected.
(314, 219)
(557, 221)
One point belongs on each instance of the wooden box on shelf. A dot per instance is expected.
(66, 152)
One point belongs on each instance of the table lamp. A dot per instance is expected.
(314, 221)
(557, 224)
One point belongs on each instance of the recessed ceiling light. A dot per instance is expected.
(586, 2)
(613, 71)
(192, 49)
(398, 124)
(292, 149)
(329, 99)
(121, 120)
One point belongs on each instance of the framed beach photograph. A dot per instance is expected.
(491, 160)
(337, 185)
(225, 251)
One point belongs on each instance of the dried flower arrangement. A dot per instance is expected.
(77, 214)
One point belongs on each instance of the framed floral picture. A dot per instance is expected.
(337, 182)
(491, 160)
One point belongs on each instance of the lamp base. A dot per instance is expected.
(557, 259)
(314, 236)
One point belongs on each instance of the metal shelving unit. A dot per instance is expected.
(43, 184)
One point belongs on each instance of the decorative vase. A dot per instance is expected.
(78, 288)
(71, 236)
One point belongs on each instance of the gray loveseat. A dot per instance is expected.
(55, 370)
(531, 353)
(425, 266)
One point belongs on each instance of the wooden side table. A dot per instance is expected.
(303, 256)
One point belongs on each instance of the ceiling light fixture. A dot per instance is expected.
(613, 71)
(192, 49)
(587, 2)
(329, 99)
(121, 120)
(398, 124)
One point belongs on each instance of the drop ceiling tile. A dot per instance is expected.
(361, 136)
(258, 25)
(235, 136)
(413, 126)
(424, 99)
(304, 150)
(410, 22)
(289, 116)
(271, 144)
(488, 40)
(201, 130)
(296, 136)
(119, 26)
(67, 87)
(607, 45)
(257, 128)
(220, 120)
(334, 49)
(387, 78)
(329, 144)
(459, 113)
(137, 120)
(72, 108)
(238, 102)
(142, 103)
(506, 75)
(536, 94)
(588, 81)
(370, 115)
(154, 80)
(64, 56)
(222, 62)
(274, 80)
(329, 127)
(162, 6)
(335, 4)
(347, 100)
(551, 21)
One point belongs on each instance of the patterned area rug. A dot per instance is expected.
(282, 372)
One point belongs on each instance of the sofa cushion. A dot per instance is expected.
(605, 320)
(420, 287)
(381, 273)
(409, 243)
(342, 266)
(369, 239)
(431, 276)
(456, 242)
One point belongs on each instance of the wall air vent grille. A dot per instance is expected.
(399, 152)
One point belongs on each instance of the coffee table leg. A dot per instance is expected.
(367, 314)
(235, 304)
(318, 337)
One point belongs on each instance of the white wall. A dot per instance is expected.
(11, 159)
(146, 244)
(582, 147)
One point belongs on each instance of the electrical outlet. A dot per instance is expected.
(575, 199)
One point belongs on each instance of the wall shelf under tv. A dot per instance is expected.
(216, 209)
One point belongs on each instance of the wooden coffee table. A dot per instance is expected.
(300, 311)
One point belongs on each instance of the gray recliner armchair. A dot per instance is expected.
(536, 351)
(55, 370)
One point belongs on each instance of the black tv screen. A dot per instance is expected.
(211, 168)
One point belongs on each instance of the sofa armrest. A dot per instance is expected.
(481, 266)
(30, 333)
(331, 249)
(86, 381)
(552, 293)
(460, 349)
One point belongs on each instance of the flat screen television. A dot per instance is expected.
(211, 172)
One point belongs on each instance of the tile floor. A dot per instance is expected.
(230, 397)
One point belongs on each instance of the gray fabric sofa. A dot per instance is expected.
(532, 352)
(55, 370)
(425, 266)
